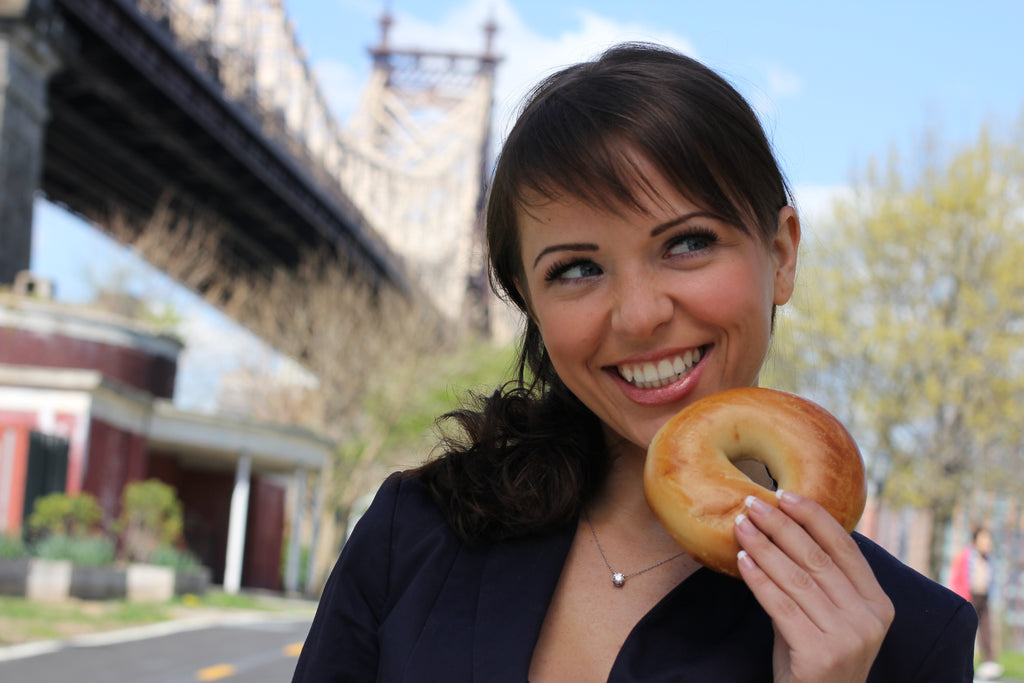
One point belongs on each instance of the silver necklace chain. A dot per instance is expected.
(618, 578)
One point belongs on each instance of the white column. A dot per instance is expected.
(291, 572)
(237, 524)
(312, 562)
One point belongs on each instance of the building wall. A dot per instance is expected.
(206, 502)
(206, 505)
(116, 458)
(43, 412)
(130, 366)
(264, 539)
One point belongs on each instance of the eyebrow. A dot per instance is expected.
(575, 246)
(655, 231)
(662, 227)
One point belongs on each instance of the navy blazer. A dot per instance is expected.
(407, 601)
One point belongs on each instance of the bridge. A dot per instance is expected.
(118, 106)
(208, 111)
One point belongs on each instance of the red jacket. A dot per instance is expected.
(960, 573)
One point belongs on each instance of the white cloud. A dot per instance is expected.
(782, 83)
(776, 83)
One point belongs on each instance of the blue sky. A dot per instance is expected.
(836, 84)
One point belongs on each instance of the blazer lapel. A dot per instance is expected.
(519, 578)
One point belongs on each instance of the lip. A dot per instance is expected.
(670, 393)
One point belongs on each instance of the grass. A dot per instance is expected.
(1013, 663)
(23, 621)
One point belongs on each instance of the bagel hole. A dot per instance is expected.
(757, 472)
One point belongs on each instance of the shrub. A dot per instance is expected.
(12, 547)
(63, 514)
(168, 556)
(90, 551)
(151, 517)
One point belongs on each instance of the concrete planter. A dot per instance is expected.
(192, 581)
(14, 576)
(98, 583)
(48, 580)
(56, 580)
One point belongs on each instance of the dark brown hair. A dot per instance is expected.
(531, 453)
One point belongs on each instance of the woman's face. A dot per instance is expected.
(643, 313)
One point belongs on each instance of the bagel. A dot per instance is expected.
(695, 490)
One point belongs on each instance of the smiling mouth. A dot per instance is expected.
(664, 372)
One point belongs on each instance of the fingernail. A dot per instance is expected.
(744, 525)
(756, 504)
(744, 560)
(787, 496)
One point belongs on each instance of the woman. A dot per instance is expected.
(971, 577)
(638, 218)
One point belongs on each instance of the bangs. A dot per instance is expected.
(592, 148)
(604, 174)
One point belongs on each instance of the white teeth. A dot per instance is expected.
(649, 373)
(668, 370)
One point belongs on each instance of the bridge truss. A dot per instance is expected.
(413, 160)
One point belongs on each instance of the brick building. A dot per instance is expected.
(86, 405)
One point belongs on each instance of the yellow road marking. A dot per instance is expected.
(293, 650)
(215, 672)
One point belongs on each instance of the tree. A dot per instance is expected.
(151, 518)
(910, 323)
(77, 515)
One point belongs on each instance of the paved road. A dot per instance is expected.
(249, 649)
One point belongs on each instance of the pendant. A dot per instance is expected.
(618, 579)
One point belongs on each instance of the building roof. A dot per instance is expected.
(202, 439)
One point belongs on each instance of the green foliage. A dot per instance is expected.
(63, 514)
(151, 517)
(12, 547)
(401, 415)
(162, 315)
(91, 551)
(169, 556)
(909, 316)
(476, 367)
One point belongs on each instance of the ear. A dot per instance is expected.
(524, 294)
(784, 249)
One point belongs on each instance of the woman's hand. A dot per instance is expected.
(829, 613)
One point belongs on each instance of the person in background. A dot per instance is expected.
(970, 577)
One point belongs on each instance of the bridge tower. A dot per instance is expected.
(422, 133)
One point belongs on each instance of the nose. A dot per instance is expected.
(641, 306)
